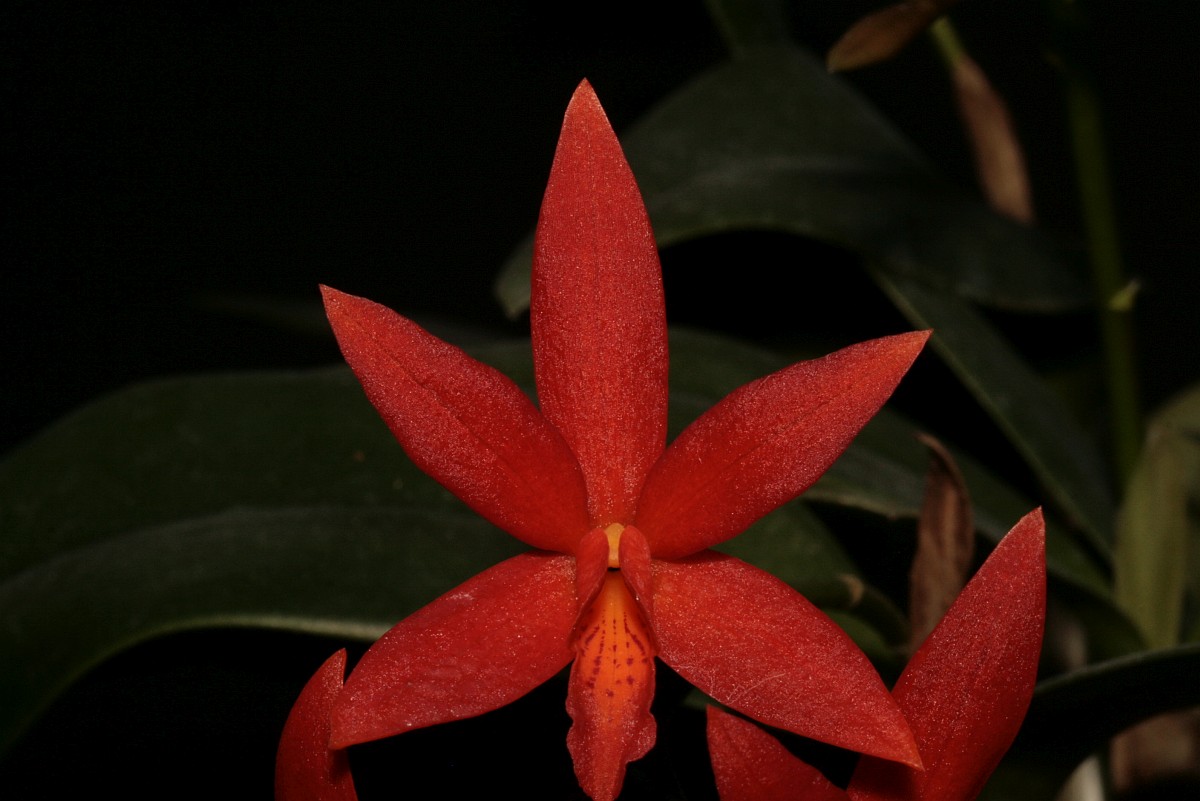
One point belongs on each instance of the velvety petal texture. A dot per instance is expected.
(755, 644)
(966, 690)
(766, 443)
(478, 647)
(751, 765)
(597, 314)
(305, 767)
(464, 423)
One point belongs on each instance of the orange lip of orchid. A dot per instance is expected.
(964, 693)
(621, 525)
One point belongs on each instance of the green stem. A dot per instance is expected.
(945, 37)
(1108, 271)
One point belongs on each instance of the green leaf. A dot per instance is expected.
(1034, 418)
(1151, 562)
(1182, 413)
(706, 367)
(771, 141)
(746, 24)
(335, 571)
(180, 448)
(793, 545)
(1075, 714)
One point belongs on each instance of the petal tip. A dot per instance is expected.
(584, 93)
(1028, 537)
(334, 299)
(915, 339)
(585, 110)
(306, 765)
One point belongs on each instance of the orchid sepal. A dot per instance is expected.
(597, 314)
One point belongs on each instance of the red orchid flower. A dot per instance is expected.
(621, 572)
(964, 693)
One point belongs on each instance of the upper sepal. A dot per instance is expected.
(597, 313)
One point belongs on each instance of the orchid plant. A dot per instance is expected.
(568, 569)
(622, 572)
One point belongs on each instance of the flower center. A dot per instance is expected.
(613, 533)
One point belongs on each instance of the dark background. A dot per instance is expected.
(180, 176)
(166, 162)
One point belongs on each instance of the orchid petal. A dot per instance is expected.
(610, 690)
(636, 568)
(464, 423)
(306, 769)
(966, 690)
(751, 765)
(591, 566)
(478, 647)
(766, 443)
(753, 643)
(597, 314)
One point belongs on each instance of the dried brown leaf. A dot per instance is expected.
(945, 543)
(1157, 750)
(884, 33)
(999, 160)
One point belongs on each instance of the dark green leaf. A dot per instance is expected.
(771, 141)
(181, 448)
(1035, 420)
(344, 572)
(190, 502)
(794, 545)
(746, 24)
